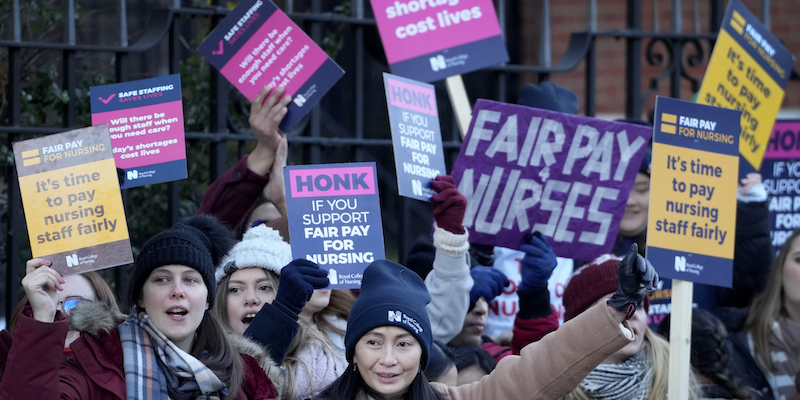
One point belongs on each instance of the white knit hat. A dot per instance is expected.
(260, 247)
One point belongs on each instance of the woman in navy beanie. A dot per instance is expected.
(388, 342)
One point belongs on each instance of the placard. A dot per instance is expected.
(781, 172)
(73, 207)
(335, 218)
(526, 169)
(691, 225)
(257, 46)
(431, 40)
(145, 121)
(748, 71)
(416, 136)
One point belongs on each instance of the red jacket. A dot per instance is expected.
(35, 371)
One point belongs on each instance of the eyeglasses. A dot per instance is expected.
(69, 304)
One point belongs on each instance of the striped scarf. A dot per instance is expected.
(628, 380)
(156, 369)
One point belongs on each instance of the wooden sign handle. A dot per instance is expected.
(680, 339)
(460, 102)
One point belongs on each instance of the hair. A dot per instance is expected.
(768, 306)
(350, 385)
(212, 348)
(301, 340)
(709, 351)
(100, 287)
(658, 361)
(220, 309)
(467, 356)
(339, 306)
(439, 362)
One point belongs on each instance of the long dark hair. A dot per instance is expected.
(350, 385)
(213, 349)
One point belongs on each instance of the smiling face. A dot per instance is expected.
(175, 298)
(634, 221)
(474, 325)
(388, 359)
(248, 290)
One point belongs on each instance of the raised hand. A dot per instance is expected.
(297, 283)
(449, 205)
(41, 284)
(636, 277)
(266, 113)
(487, 283)
(538, 263)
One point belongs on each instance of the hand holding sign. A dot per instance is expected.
(448, 204)
(265, 116)
(636, 277)
(41, 284)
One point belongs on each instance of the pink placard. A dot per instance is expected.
(413, 28)
(411, 97)
(785, 141)
(145, 135)
(343, 181)
(277, 54)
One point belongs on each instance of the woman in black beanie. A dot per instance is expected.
(168, 348)
(388, 342)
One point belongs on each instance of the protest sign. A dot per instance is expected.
(335, 218)
(416, 136)
(73, 207)
(431, 40)
(257, 45)
(748, 71)
(694, 179)
(145, 120)
(525, 169)
(781, 172)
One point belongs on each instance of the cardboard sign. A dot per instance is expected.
(431, 40)
(781, 172)
(525, 169)
(694, 179)
(748, 71)
(335, 218)
(416, 136)
(145, 120)
(257, 45)
(73, 206)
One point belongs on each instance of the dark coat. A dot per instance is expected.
(741, 363)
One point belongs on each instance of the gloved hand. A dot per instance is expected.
(538, 263)
(5, 348)
(636, 277)
(297, 283)
(449, 205)
(487, 283)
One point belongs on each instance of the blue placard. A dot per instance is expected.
(335, 218)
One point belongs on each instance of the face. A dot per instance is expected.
(248, 290)
(388, 359)
(176, 298)
(474, 325)
(638, 324)
(265, 212)
(634, 221)
(791, 276)
(75, 287)
(319, 300)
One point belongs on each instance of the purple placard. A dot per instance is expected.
(145, 121)
(781, 172)
(525, 169)
(431, 40)
(257, 45)
(335, 218)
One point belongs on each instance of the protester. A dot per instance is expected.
(709, 357)
(441, 366)
(386, 354)
(171, 288)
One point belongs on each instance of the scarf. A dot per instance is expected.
(628, 380)
(156, 369)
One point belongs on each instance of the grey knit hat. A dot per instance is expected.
(261, 247)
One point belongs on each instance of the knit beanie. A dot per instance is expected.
(198, 242)
(391, 295)
(260, 247)
(590, 283)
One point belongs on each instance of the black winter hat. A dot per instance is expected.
(198, 242)
(391, 295)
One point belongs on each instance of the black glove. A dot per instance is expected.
(538, 263)
(487, 283)
(636, 277)
(297, 283)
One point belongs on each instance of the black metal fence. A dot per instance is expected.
(348, 125)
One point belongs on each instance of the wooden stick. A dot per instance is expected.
(680, 339)
(460, 102)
